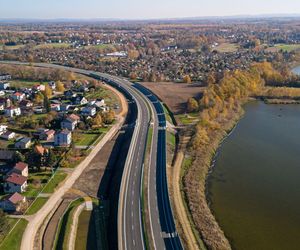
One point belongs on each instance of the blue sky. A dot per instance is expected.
(131, 9)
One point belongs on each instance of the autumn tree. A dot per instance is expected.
(97, 121)
(48, 91)
(60, 86)
(187, 79)
(192, 105)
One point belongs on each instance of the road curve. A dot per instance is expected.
(130, 228)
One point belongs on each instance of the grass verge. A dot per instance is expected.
(14, 238)
(36, 205)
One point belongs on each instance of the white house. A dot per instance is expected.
(15, 183)
(8, 135)
(88, 111)
(12, 111)
(12, 203)
(63, 138)
(3, 129)
(18, 96)
(20, 168)
(4, 85)
(5, 77)
(23, 143)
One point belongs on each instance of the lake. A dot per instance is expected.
(254, 188)
(297, 70)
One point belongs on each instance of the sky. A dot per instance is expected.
(142, 9)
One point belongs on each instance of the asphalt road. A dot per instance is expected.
(130, 228)
(163, 230)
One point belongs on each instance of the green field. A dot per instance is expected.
(287, 47)
(100, 46)
(62, 234)
(36, 182)
(52, 46)
(14, 47)
(227, 47)
(13, 240)
(188, 118)
(54, 182)
(24, 84)
(36, 206)
(86, 139)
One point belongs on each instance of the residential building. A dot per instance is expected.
(8, 135)
(18, 96)
(65, 107)
(39, 87)
(25, 104)
(55, 107)
(6, 155)
(88, 111)
(63, 138)
(70, 122)
(12, 111)
(3, 129)
(79, 100)
(52, 85)
(5, 77)
(20, 168)
(15, 183)
(23, 143)
(4, 85)
(47, 135)
(12, 203)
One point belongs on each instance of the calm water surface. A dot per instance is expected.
(297, 70)
(254, 188)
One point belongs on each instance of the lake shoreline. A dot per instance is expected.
(210, 230)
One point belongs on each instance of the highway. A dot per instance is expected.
(130, 227)
(163, 230)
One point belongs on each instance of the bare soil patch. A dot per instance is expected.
(175, 95)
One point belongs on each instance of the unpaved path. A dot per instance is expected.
(179, 206)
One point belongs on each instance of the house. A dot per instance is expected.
(25, 104)
(8, 135)
(18, 96)
(83, 88)
(88, 111)
(2, 93)
(5, 77)
(65, 107)
(4, 85)
(47, 135)
(6, 155)
(69, 124)
(79, 100)
(99, 103)
(20, 168)
(69, 94)
(63, 138)
(12, 203)
(23, 143)
(3, 129)
(52, 85)
(39, 87)
(12, 111)
(2, 106)
(55, 107)
(5, 101)
(15, 183)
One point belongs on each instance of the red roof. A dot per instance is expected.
(74, 117)
(18, 94)
(21, 166)
(16, 179)
(15, 198)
